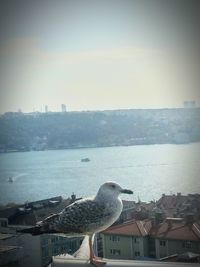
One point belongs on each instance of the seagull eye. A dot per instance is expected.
(113, 186)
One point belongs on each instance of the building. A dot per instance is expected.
(148, 238)
(46, 108)
(52, 245)
(180, 205)
(176, 236)
(126, 241)
(10, 255)
(30, 250)
(63, 108)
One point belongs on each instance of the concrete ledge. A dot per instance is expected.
(112, 263)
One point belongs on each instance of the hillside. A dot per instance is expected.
(39, 131)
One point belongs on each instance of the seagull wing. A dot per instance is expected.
(83, 216)
(45, 226)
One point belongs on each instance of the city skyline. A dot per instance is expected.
(99, 55)
(47, 109)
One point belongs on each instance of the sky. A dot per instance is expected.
(98, 54)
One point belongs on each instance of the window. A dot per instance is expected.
(4, 223)
(186, 244)
(45, 252)
(137, 253)
(162, 243)
(56, 250)
(44, 241)
(114, 238)
(136, 240)
(115, 251)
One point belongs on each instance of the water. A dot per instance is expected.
(148, 170)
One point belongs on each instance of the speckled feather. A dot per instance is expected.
(81, 217)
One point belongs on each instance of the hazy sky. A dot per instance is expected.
(98, 54)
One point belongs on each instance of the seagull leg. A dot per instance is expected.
(96, 261)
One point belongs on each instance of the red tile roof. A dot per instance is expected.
(134, 228)
(171, 201)
(177, 231)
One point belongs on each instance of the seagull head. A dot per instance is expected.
(112, 189)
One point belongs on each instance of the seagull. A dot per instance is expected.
(85, 217)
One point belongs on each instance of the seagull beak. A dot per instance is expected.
(126, 191)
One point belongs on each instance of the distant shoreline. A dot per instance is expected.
(73, 130)
(86, 147)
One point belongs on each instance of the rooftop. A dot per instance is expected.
(169, 229)
(136, 228)
(32, 212)
(177, 230)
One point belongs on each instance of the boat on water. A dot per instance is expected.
(85, 160)
(10, 180)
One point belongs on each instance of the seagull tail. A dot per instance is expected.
(35, 230)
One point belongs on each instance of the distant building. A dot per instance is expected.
(63, 108)
(189, 104)
(46, 109)
(180, 205)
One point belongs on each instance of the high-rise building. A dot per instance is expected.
(46, 108)
(63, 108)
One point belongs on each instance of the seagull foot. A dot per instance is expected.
(97, 261)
